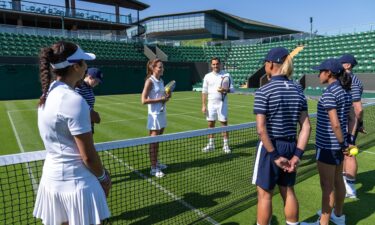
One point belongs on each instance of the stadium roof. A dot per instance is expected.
(130, 4)
(237, 21)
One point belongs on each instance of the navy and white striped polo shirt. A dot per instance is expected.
(357, 88)
(334, 97)
(87, 92)
(282, 101)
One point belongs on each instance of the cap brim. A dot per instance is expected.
(81, 55)
(317, 68)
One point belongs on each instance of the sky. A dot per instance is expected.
(294, 14)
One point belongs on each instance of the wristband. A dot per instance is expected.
(102, 177)
(350, 139)
(274, 155)
(299, 153)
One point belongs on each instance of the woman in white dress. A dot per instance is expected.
(154, 95)
(74, 183)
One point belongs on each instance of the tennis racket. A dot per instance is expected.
(225, 85)
(168, 89)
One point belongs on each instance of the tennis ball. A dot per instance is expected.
(353, 151)
(167, 90)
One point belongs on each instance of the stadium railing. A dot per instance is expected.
(199, 187)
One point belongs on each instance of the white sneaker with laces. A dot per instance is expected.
(226, 149)
(156, 172)
(208, 148)
(338, 220)
(161, 166)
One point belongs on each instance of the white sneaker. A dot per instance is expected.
(338, 220)
(226, 149)
(161, 166)
(156, 172)
(311, 223)
(352, 196)
(208, 148)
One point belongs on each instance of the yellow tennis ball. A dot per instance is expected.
(167, 90)
(353, 151)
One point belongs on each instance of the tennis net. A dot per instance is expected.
(199, 187)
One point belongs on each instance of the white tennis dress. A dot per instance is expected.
(156, 119)
(68, 191)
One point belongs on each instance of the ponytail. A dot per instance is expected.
(58, 52)
(345, 80)
(287, 66)
(150, 67)
(45, 73)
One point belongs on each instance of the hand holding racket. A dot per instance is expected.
(168, 89)
(224, 87)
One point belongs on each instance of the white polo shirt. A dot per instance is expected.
(64, 115)
(211, 82)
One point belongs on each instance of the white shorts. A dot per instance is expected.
(156, 121)
(217, 110)
(80, 201)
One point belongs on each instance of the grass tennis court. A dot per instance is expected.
(123, 117)
(213, 184)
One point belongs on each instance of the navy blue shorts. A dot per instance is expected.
(332, 157)
(266, 174)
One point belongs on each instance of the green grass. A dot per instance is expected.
(359, 212)
(213, 183)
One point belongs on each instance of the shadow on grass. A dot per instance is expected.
(358, 210)
(163, 211)
(196, 163)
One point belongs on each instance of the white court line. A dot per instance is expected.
(166, 191)
(29, 170)
(369, 152)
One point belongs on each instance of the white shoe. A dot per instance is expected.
(352, 196)
(311, 223)
(161, 166)
(157, 172)
(338, 220)
(208, 148)
(226, 149)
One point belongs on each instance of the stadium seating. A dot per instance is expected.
(29, 45)
(240, 60)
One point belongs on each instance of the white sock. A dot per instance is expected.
(292, 223)
(210, 141)
(351, 184)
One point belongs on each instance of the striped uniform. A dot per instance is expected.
(281, 101)
(87, 92)
(357, 88)
(334, 97)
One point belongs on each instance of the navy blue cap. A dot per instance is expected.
(95, 73)
(277, 55)
(331, 64)
(348, 58)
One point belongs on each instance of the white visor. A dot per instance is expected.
(79, 54)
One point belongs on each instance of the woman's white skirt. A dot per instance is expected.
(79, 202)
(156, 121)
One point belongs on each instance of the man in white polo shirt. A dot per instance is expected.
(216, 108)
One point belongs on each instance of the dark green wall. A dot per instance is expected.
(19, 82)
(22, 81)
